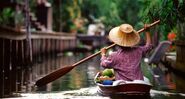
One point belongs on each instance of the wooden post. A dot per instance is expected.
(28, 36)
(44, 14)
(7, 64)
(14, 64)
(49, 19)
(180, 61)
(2, 67)
(20, 62)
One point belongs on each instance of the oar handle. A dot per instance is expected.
(149, 25)
(95, 54)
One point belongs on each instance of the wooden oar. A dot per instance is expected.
(62, 71)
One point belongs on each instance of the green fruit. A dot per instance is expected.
(108, 72)
(106, 77)
(97, 80)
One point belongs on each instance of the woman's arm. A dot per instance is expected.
(148, 38)
(147, 35)
(148, 44)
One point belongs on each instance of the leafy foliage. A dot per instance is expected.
(6, 16)
(170, 12)
(110, 12)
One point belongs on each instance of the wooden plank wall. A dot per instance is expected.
(14, 67)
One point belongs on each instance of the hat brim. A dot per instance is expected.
(123, 39)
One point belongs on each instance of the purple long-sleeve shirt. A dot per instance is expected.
(126, 62)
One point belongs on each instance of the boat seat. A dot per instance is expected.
(156, 57)
(158, 53)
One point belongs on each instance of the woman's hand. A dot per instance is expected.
(103, 51)
(146, 26)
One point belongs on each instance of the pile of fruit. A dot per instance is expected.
(106, 77)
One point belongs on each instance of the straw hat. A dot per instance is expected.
(124, 35)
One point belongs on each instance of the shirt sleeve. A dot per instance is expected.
(146, 48)
(107, 61)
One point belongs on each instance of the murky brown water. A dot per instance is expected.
(79, 83)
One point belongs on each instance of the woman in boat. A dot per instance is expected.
(126, 60)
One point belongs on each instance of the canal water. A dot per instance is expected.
(79, 84)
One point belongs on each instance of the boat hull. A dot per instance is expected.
(128, 88)
(137, 89)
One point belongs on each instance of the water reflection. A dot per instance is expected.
(179, 81)
(81, 76)
(162, 78)
(165, 83)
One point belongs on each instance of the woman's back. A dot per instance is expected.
(126, 62)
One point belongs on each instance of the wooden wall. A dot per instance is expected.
(14, 62)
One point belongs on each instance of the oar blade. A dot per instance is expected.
(53, 76)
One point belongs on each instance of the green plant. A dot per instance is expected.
(170, 12)
(112, 12)
(6, 16)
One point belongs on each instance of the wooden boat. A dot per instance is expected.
(136, 87)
